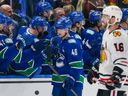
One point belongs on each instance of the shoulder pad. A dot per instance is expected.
(8, 40)
(77, 36)
(71, 41)
(90, 32)
(36, 40)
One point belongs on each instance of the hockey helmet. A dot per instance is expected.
(113, 11)
(63, 23)
(94, 16)
(42, 7)
(37, 22)
(76, 17)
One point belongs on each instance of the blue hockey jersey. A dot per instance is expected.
(69, 61)
(26, 37)
(92, 46)
(4, 41)
(24, 62)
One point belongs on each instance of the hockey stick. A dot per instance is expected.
(49, 64)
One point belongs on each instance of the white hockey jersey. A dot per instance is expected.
(114, 53)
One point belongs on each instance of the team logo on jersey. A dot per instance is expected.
(117, 34)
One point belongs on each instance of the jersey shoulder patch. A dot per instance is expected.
(90, 32)
(117, 33)
(71, 41)
(8, 41)
(77, 36)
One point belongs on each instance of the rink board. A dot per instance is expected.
(38, 86)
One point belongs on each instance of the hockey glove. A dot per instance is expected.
(93, 74)
(69, 82)
(40, 45)
(115, 78)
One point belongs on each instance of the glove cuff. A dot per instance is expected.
(117, 70)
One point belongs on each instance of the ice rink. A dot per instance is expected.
(39, 86)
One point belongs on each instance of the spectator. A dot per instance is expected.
(8, 11)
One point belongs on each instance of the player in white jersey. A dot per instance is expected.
(112, 73)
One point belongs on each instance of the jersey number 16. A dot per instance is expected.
(119, 47)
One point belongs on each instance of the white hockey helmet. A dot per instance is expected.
(113, 11)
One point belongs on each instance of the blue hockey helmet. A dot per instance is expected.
(77, 16)
(94, 16)
(63, 23)
(42, 7)
(37, 22)
(125, 14)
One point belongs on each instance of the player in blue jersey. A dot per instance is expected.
(6, 34)
(78, 21)
(35, 32)
(29, 35)
(17, 59)
(69, 65)
(92, 41)
(44, 9)
(124, 21)
(24, 62)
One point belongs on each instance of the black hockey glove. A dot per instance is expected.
(115, 78)
(93, 74)
(40, 45)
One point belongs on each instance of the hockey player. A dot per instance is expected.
(124, 21)
(24, 62)
(69, 64)
(78, 21)
(12, 27)
(92, 39)
(5, 40)
(29, 35)
(44, 9)
(114, 67)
